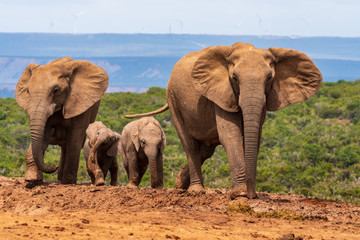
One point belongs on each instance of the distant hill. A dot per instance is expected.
(141, 45)
(136, 62)
(133, 74)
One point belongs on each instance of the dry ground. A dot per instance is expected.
(53, 211)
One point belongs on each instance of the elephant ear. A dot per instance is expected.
(21, 93)
(92, 130)
(114, 150)
(88, 83)
(61, 60)
(135, 131)
(163, 137)
(211, 75)
(120, 149)
(296, 79)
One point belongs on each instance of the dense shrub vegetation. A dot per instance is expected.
(310, 148)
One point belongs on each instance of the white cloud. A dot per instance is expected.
(150, 73)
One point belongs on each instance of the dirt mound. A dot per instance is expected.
(86, 211)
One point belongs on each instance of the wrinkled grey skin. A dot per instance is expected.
(101, 150)
(143, 142)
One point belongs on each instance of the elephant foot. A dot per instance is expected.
(33, 175)
(32, 184)
(182, 180)
(132, 185)
(251, 195)
(196, 189)
(99, 182)
(67, 181)
(99, 178)
(113, 183)
(160, 187)
(238, 191)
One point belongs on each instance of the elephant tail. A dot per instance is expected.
(160, 110)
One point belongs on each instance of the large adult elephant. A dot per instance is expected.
(61, 98)
(220, 95)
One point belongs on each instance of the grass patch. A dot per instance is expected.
(241, 208)
(244, 208)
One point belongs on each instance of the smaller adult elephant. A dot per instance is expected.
(101, 150)
(61, 98)
(143, 142)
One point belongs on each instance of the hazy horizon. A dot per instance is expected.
(328, 18)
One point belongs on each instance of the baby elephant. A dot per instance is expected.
(101, 150)
(143, 142)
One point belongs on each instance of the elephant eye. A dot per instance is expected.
(56, 90)
(143, 142)
(269, 77)
(235, 78)
(27, 91)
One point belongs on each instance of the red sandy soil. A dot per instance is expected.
(84, 211)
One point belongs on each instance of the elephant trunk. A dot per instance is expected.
(252, 109)
(94, 164)
(93, 153)
(37, 129)
(155, 160)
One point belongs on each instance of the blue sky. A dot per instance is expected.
(230, 17)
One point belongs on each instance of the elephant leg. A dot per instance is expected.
(230, 136)
(192, 150)
(61, 164)
(92, 176)
(133, 169)
(126, 164)
(160, 172)
(142, 167)
(196, 179)
(32, 174)
(114, 172)
(88, 167)
(75, 140)
(183, 178)
(98, 170)
(99, 177)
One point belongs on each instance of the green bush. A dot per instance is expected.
(348, 155)
(303, 191)
(310, 148)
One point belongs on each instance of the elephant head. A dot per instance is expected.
(244, 78)
(62, 85)
(149, 137)
(104, 139)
